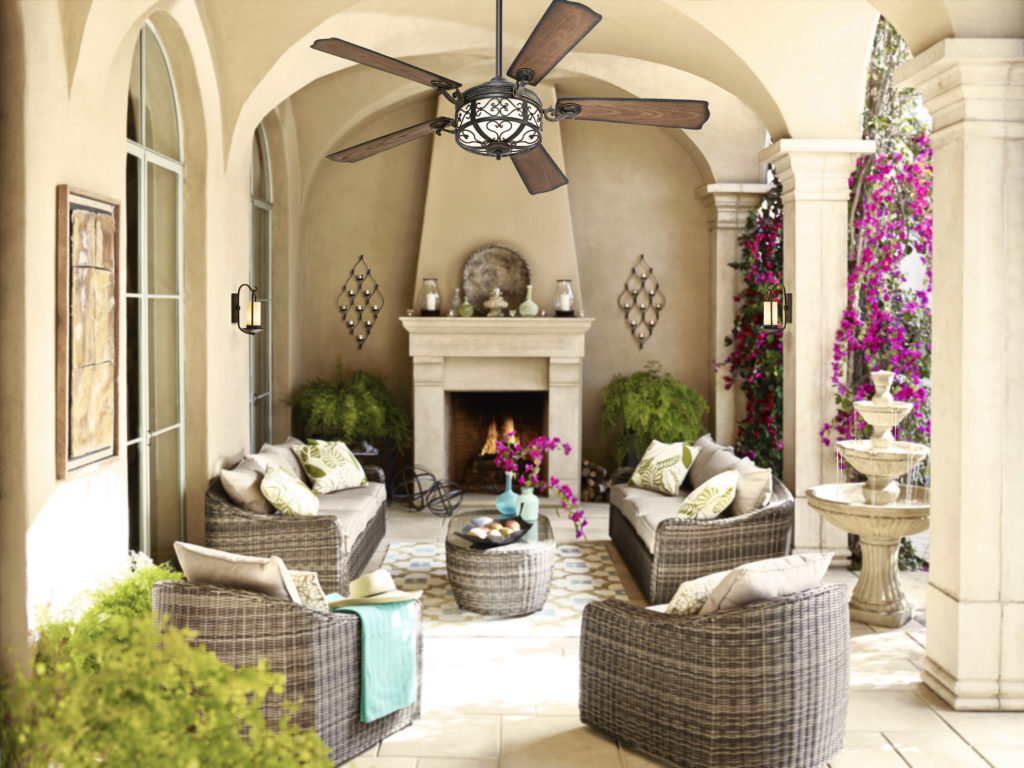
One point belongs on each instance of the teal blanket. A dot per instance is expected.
(389, 657)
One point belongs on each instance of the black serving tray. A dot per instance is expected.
(488, 543)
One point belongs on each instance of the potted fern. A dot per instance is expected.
(648, 405)
(355, 408)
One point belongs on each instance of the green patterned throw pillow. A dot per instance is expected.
(712, 496)
(691, 595)
(311, 594)
(664, 466)
(287, 493)
(330, 466)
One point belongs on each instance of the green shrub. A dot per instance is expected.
(110, 686)
(649, 405)
(357, 407)
(151, 699)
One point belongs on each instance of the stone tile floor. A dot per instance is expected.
(531, 720)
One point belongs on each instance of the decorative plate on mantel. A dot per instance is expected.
(495, 266)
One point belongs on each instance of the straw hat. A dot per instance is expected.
(375, 587)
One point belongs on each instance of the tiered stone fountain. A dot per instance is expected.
(878, 510)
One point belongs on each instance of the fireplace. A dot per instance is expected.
(457, 356)
(474, 417)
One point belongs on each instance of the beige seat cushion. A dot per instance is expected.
(242, 485)
(353, 508)
(213, 567)
(644, 509)
(767, 580)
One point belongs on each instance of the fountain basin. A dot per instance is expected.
(882, 465)
(883, 414)
(878, 598)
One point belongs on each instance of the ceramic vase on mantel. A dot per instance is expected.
(507, 501)
(529, 307)
(528, 505)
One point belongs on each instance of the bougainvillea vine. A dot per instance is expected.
(755, 359)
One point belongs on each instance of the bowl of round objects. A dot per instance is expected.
(484, 532)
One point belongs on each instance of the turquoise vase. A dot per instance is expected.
(528, 506)
(506, 502)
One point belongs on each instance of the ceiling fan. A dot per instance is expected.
(504, 118)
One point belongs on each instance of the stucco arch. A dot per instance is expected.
(424, 37)
(922, 27)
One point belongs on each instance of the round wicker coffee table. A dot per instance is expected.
(511, 580)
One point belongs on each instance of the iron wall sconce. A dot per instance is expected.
(778, 310)
(360, 302)
(253, 315)
(641, 301)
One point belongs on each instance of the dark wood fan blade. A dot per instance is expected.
(665, 113)
(538, 171)
(361, 55)
(390, 141)
(561, 27)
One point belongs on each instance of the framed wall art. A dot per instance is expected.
(87, 329)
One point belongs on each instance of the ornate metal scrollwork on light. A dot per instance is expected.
(360, 301)
(498, 119)
(641, 301)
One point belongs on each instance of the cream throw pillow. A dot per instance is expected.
(242, 485)
(330, 466)
(287, 493)
(311, 594)
(753, 489)
(267, 575)
(663, 467)
(691, 595)
(708, 499)
(768, 579)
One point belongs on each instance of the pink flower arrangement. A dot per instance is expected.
(525, 461)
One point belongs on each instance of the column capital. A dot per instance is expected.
(815, 169)
(970, 80)
(727, 204)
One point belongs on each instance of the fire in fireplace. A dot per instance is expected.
(478, 421)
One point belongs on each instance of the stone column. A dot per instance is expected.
(975, 649)
(815, 191)
(727, 208)
(430, 443)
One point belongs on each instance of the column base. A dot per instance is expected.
(975, 695)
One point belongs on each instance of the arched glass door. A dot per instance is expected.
(154, 290)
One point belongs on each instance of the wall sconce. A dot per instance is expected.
(778, 309)
(253, 315)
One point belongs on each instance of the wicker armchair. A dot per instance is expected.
(685, 549)
(761, 686)
(304, 543)
(319, 654)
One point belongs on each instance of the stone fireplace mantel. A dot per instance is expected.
(496, 354)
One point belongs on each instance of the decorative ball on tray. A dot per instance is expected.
(484, 532)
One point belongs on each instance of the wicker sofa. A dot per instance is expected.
(662, 550)
(759, 686)
(319, 654)
(337, 543)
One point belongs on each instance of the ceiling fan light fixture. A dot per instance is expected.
(498, 119)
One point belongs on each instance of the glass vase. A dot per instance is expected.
(528, 505)
(506, 502)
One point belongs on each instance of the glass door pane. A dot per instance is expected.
(164, 494)
(163, 364)
(162, 235)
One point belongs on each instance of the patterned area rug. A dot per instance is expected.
(583, 572)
